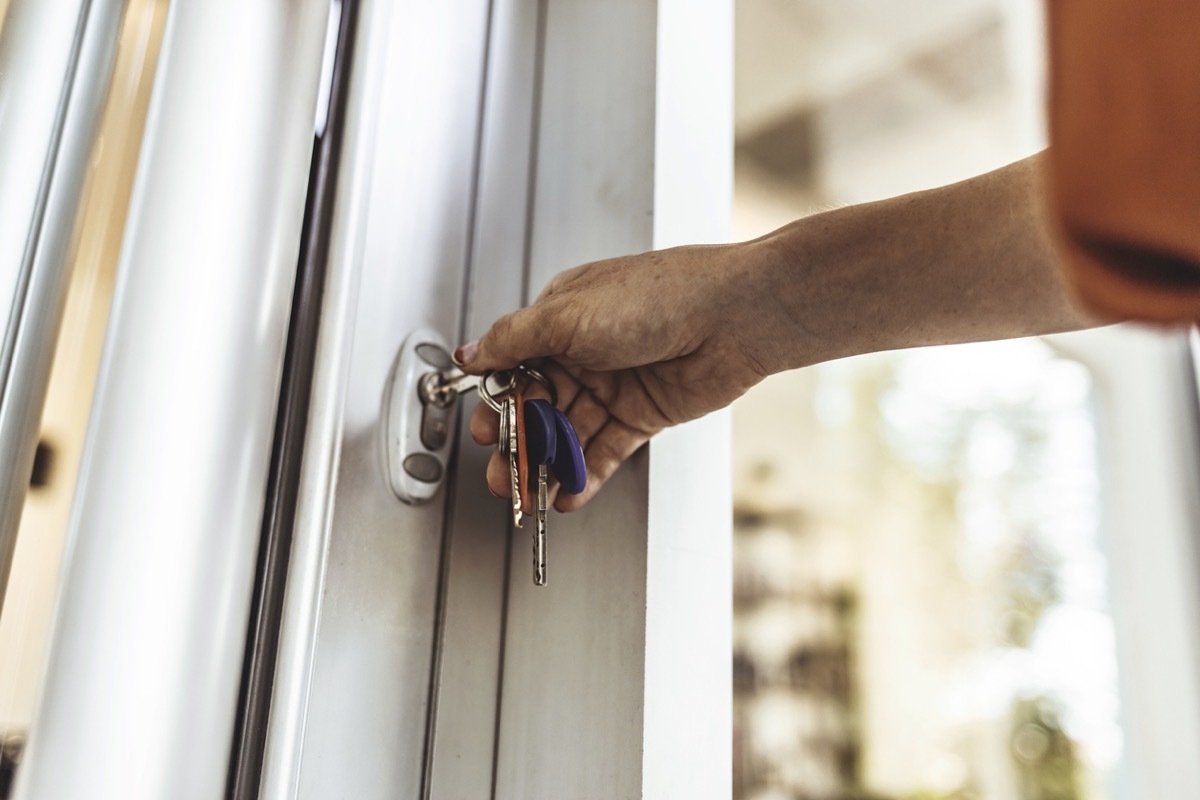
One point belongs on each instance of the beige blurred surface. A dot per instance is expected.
(869, 597)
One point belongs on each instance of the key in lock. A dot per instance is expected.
(532, 432)
(421, 415)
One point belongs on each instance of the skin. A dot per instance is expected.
(639, 343)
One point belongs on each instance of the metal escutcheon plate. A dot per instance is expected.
(418, 437)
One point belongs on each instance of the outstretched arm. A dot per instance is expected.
(968, 262)
(639, 343)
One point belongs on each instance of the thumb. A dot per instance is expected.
(523, 335)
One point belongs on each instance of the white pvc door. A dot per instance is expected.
(258, 613)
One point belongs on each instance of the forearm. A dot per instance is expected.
(639, 343)
(968, 262)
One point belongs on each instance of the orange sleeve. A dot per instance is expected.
(1125, 154)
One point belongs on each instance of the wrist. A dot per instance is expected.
(788, 299)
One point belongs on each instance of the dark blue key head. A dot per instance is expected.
(541, 435)
(568, 465)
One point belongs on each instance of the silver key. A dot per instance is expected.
(539, 536)
(540, 444)
(509, 402)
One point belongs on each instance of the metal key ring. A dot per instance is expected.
(543, 380)
(488, 396)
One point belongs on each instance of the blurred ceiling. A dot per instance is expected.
(846, 100)
(795, 55)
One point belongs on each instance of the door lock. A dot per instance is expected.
(421, 412)
(421, 416)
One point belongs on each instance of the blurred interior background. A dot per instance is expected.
(920, 589)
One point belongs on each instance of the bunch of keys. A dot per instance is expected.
(534, 432)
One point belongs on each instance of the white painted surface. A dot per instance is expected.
(35, 46)
(369, 699)
(143, 676)
(689, 569)
(323, 436)
(616, 678)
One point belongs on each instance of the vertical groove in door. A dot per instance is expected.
(452, 473)
(295, 392)
(527, 250)
(535, 130)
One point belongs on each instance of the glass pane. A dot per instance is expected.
(920, 589)
(25, 623)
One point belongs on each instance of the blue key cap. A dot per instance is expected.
(568, 465)
(541, 437)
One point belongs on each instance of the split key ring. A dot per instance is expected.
(506, 382)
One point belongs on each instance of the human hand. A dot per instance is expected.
(633, 345)
(636, 344)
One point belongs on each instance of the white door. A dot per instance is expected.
(258, 613)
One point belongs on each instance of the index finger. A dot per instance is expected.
(523, 335)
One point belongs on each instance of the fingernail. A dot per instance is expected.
(465, 354)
